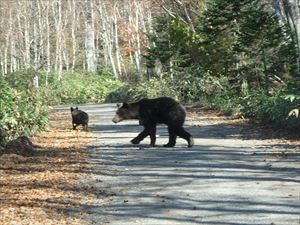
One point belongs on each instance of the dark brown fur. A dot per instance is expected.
(79, 118)
(151, 112)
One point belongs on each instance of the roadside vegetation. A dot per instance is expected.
(22, 112)
(239, 57)
(24, 107)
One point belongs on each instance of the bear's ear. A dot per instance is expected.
(124, 105)
(72, 109)
(76, 108)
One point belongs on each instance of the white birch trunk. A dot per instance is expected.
(90, 39)
(296, 21)
(107, 37)
(1, 63)
(117, 49)
(90, 48)
(41, 53)
(74, 45)
(48, 54)
(26, 42)
(35, 48)
(11, 40)
(5, 56)
(60, 59)
(56, 8)
(130, 40)
(137, 53)
(108, 43)
(13, 61)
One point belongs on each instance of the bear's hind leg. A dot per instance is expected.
(85, 127)
(181, 132)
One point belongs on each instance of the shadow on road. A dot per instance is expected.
(194, 185)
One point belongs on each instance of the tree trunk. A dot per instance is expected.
(295, 11)
(48, 54)
(117, 49)
(65, 54)
(73, 35)
(41, 26)
(26, 42)
(1, 63)
(13, 66)
(90, 39)
(5, 57)
(107, 37)
(56, 8)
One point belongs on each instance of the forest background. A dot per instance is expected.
(241, 57)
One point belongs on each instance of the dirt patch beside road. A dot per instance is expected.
(219, 125)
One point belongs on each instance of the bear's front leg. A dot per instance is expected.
(140, 137)
(74, 126)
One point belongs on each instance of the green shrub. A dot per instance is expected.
(272, 110)
(69, 88)
(74, 88)
(153, 88)
(119, 95)
(21, 80)
(20, 113)
(195, 85)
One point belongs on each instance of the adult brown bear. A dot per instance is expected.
(151, 112)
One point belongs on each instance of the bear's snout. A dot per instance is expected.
(116, 119)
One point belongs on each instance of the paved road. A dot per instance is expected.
(221, 180)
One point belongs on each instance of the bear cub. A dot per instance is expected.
(151, 112)
(79, 118)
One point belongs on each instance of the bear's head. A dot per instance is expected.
(126, 111)
(73, 109)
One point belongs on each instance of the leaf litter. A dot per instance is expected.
(47, 188)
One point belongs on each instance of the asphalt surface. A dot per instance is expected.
(221, 180)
